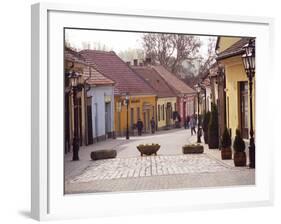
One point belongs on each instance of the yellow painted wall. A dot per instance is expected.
(163, 101)
(226, 42)
(120, 112)
(234, 73)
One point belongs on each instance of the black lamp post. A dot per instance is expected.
(249, 65)
(127, 104)
(198, 90)
(76, 86)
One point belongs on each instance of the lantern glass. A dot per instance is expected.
(80, 79)
(73, 79)
(127, 97)
(245, 62)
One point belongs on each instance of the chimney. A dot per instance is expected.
(135, 62)
(148, 61)
(128, 63)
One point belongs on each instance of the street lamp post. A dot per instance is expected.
(249, 65)
(127, 104)
(198, 89)
(76, 85)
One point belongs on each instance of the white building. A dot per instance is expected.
(100, 105)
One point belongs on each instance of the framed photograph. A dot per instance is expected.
(137, 112)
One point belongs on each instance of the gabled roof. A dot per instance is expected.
(175, 83)
(126, 80)
(154, 79)
(91, 75)
(235, 49)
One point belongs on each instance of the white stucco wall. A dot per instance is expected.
(98, 94)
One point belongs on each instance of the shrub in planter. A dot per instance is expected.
(148, 149)
(226, 152)
(205, 125)
(191, 149)
(239, 150)
(103, 154)
(213, 129)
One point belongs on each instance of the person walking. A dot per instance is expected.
(152, 124)
(187, 121)
(139, 126)
(192, 123)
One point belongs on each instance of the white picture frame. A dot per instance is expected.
(48, 201)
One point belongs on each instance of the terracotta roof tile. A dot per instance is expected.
(126, 80)
(93, 77)
(175, 83)
(154, 79)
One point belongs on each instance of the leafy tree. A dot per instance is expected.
(238, 144)
(205, 125)
(226, 139)
(213, 129)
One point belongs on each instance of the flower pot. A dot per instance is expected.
(148, 149)
(240, 159)
(226, 153)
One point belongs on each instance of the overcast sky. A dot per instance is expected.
(113, 40)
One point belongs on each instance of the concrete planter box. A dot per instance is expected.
(148, 149)
(192, 149)
(103, 154)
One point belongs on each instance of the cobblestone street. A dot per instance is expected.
(170, 169)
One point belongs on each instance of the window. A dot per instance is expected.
(159, 111)
(163, 112)
(138, 113)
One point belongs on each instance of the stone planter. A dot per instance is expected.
(103, 154)
(226, 153)
(240, 159)
(148, 149)
(191, 149)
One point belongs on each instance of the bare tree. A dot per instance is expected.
(131, 54)
(95, 46)
(171, 50)
(207, 61)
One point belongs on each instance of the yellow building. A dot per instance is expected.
(166, 97)
(139, 107)
(236, 85)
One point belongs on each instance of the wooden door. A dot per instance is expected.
(89, 121)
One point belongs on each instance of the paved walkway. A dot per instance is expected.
(169, 169)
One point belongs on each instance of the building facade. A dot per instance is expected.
(142, 98)
(236, 85)
(185, 104)
(166, 97)
(93, 99)
(100, 105)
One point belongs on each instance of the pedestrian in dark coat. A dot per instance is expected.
(139, 126)
(192, 125)
(152, 124)
(187, 121)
